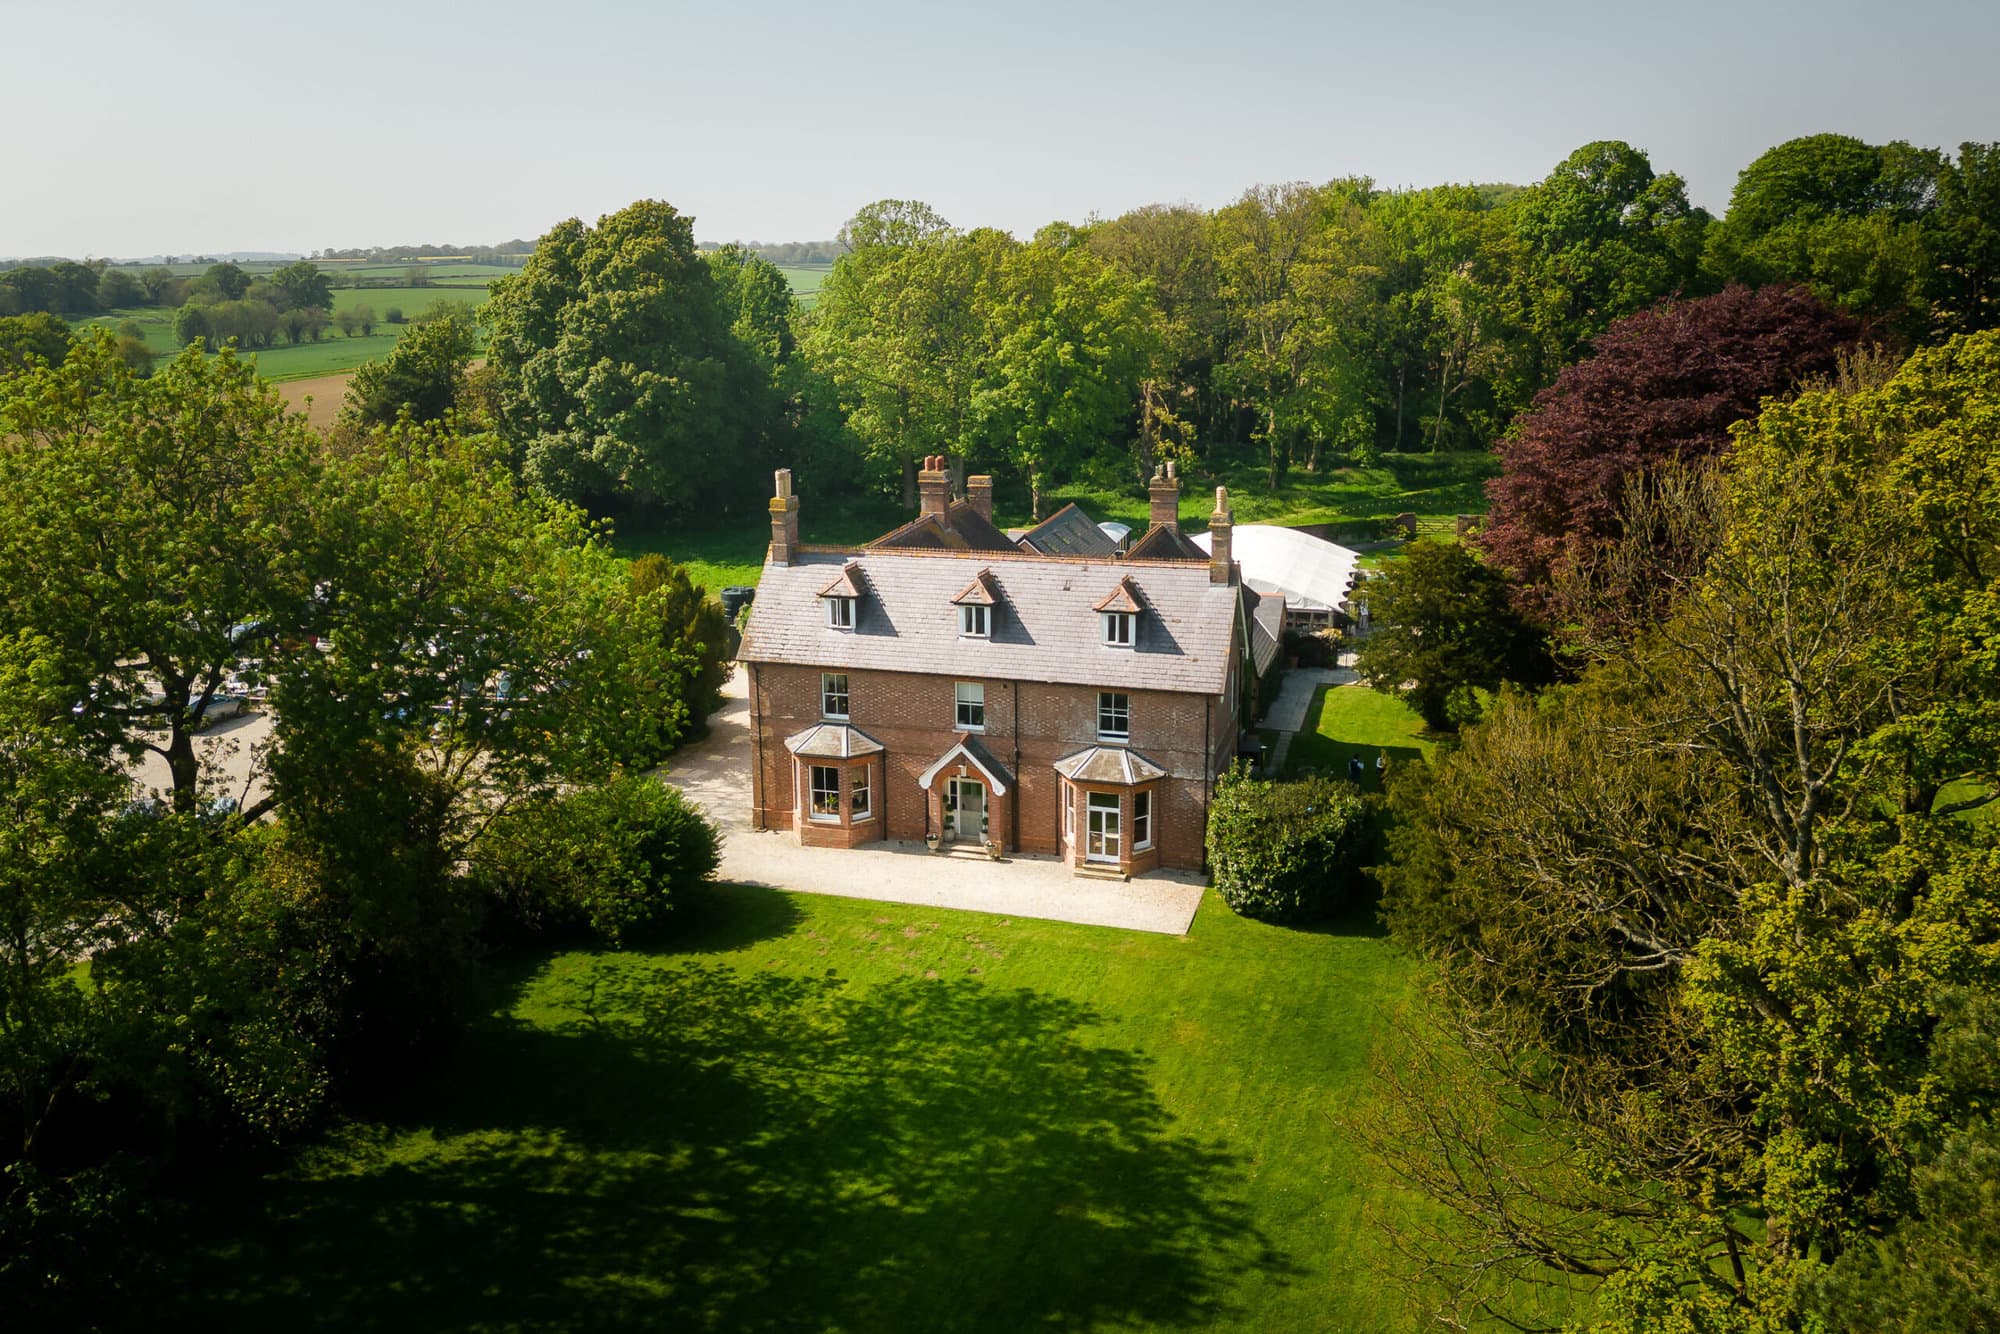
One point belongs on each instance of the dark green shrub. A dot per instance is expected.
(1288, 852)
(604, 859)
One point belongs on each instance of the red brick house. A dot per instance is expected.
(946, 680)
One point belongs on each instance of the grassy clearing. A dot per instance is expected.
(826, 1114)
(1354, 721)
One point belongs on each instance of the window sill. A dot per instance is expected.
(863, 819)
(833, 717)
(1114, 739)
(824, 819)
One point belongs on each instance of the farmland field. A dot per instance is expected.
(806, 280)
(458, 281)
(335, 352)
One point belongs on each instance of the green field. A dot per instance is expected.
(335, 352)
(812, 1113)
(1432, 485)
(806, 281)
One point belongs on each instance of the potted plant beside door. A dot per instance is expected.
(933, 840)
(993, 848)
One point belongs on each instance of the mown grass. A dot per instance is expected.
(1432, 486)
(732, 552)
(1354, 722)
(814, 1113)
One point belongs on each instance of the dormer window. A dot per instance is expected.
(975, 603)
(842, 596)
(1118, 612)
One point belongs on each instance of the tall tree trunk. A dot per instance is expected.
(1271, 445)
(1402, 374)
(1146, 454)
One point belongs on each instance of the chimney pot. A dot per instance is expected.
(933, 486)
(1164, 498)
(1221, 535)
(784, 520)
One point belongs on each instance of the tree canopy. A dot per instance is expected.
(618, 375)
(1716, 940)
(1663, 387)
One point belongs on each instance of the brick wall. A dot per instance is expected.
(1028, 727)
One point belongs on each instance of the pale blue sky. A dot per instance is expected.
(130, 128)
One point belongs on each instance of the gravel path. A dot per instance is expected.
(716, 773)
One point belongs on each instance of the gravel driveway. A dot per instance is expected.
(716, 773)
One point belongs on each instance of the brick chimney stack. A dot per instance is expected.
(933, 486)
(1165, 495)
(784, 520)
(1221, 528)
(979, 491)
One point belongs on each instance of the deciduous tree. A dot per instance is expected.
(1663, 387)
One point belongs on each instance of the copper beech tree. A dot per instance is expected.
(1663, 387)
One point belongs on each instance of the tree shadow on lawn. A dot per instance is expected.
(690, 1146)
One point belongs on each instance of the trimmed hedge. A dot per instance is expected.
(604, 859)
(1289, 852)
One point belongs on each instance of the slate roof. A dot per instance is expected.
(1069, 532)
(959, 528)
(1164, 543)
(832, 741)
(845, 585)
(1043, 629)
(1108, 764)
(968, 747)
(1267, 627)
(979, 591)
(1122, 597)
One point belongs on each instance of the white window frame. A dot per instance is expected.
(1069, 813)
(1142, 821)
(1104, 709)
(1113, 838)
(827, 694)
(861, 796)
(969, 695)
(1119, 631)
(975, 620)
(840, 613)
(830, 814)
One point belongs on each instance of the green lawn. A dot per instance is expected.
(732, 552)
(826, 1114)
(1353, 720)
(1432, 486)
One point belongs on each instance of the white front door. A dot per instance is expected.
(1101, 842)
(965, 816)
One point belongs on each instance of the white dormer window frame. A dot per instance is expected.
(975, 620)
(1119, 628)
(840, 613)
